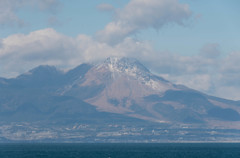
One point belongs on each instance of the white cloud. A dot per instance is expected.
(228, 83)
(1, 44)
(210, 50)
(46, 5)
(200, 82)
(228, 92)
(105, 7)
(216, 76)
(21, 52)
(7, 13)
(229, 69)
(9, 8)
(207, 71)
(142, 14)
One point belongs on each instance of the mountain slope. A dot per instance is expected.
(125, 86)
(115, 93)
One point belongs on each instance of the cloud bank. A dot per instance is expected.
(218, 75)
(143, 14)
(50, 47)
(208, 71)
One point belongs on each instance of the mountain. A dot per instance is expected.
(118, 100)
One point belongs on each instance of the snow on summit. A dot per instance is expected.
(133, 68)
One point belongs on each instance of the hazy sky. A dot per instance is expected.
(190, 42)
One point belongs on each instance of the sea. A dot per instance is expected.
(114, 150)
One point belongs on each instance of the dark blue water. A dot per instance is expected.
(120, 150)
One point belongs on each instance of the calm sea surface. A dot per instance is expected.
(186, 150)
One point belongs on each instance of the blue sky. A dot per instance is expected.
(190, 42)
